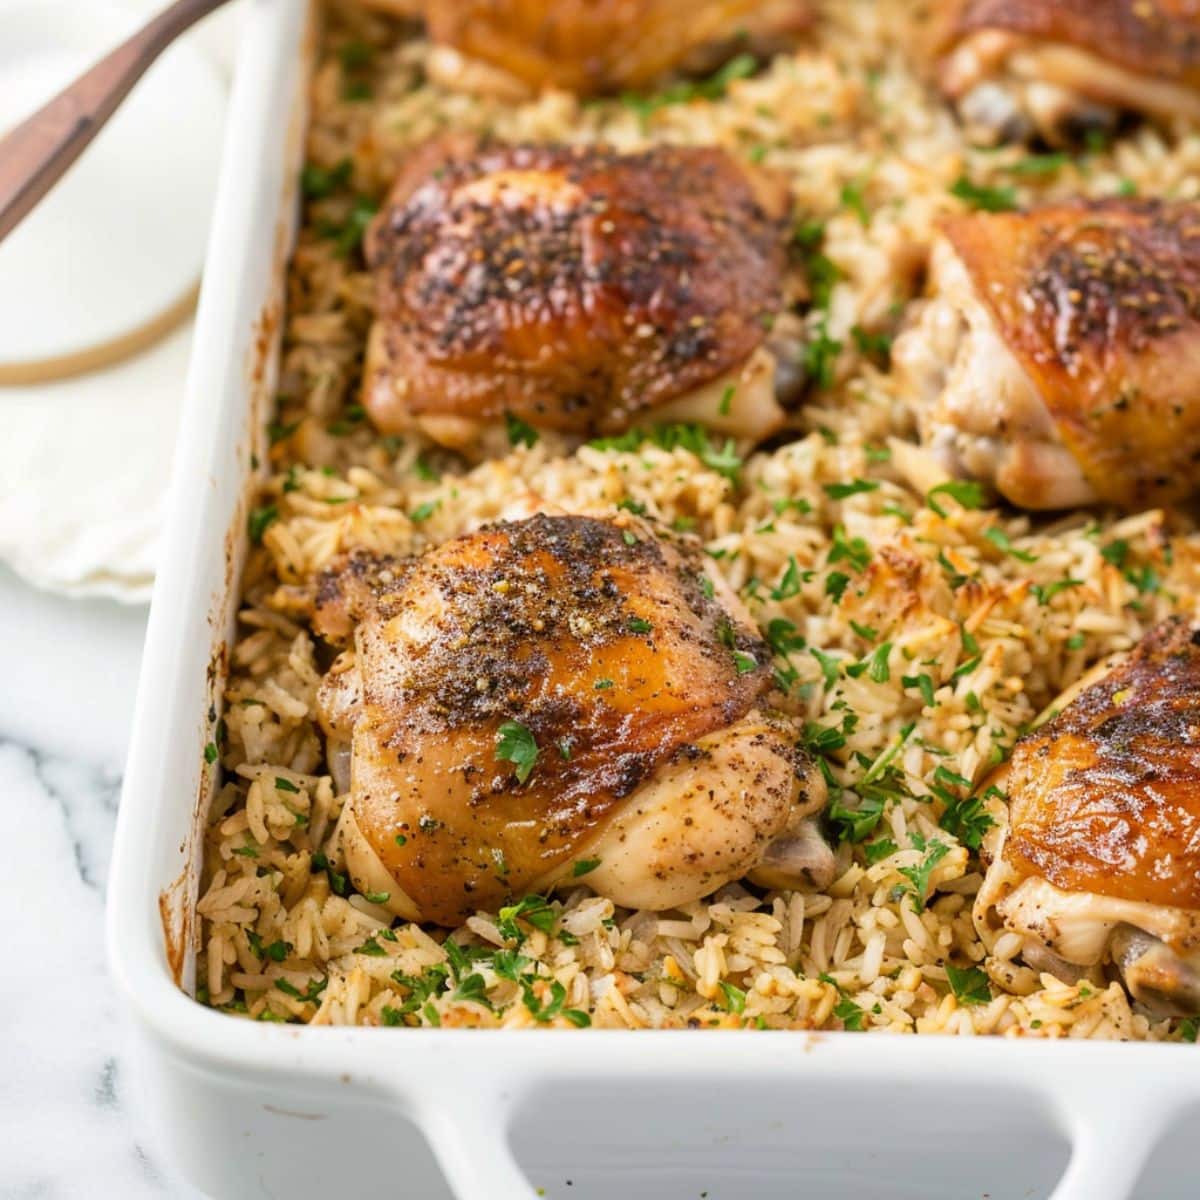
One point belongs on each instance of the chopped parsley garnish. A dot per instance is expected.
(285, 785)
(602, 685)
(278, 951)
(1045, 592)
(791, 582)
(516, 744)
(969, 985)
(872, 345)
(424, 511)
(508, 964)
(797, 503)
(821, 271)
(355, 55)
(852, 550)
(967, 492)
(723, 459)
(319, 182)
(1003, 543)
(745, 663)
(260, 520)
(520, 433)
(348, 236)
(310, 995)
(638, 625)
(857, 824)
(878, 850)
(918, 877)
(1040, 164)
(277, 433)
(852, 1017)
(820, 357)
(878, 668)
(733, 999)
(423, 470)
(726, 403)
(420, 990)
(856, 487)
(990, 199)
(965, 816)
(836, 583)
(585, 866)
(377, 897)
(923, 683)
(472, 987)
(211, 753)
(535, 910)
(830, 666)
(711, 88)
(853, 200)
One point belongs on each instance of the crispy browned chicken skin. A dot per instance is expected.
(1100, 860)
(595, 46)
(1059, 356)
(632, 695)
(1055, 67)
(574, 288)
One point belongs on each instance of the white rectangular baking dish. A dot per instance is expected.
(246, 1109)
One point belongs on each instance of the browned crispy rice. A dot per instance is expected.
(630, 638)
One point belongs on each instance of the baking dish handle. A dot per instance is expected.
(469, 1138)
(1114, 1129)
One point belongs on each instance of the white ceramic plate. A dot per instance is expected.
(117, 247)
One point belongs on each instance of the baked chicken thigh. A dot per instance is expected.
(575, 289)
(1057, 68)
(510, 47)
(1058, 358)
(556, 698)
(1099, 862)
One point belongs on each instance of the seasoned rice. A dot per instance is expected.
(919, 635)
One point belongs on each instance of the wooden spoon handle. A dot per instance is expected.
(34, 155)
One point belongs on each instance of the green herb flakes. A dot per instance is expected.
(989, 199)
(969, 985)
(520, 433)
(260, 520)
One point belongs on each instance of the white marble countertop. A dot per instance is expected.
(65, 1124)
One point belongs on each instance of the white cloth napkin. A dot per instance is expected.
(85, 462)
(85, 465)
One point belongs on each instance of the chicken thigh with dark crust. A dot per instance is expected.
(1058, 358)
(575, 289)
(591, 47)
(1098, 858)
(1058, 68)
(554, 698)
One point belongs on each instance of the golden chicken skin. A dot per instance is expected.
(575, 289)
(1098, 859)
(1058, 358)
(1058, 68)
(552, 699)
(513, 48)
